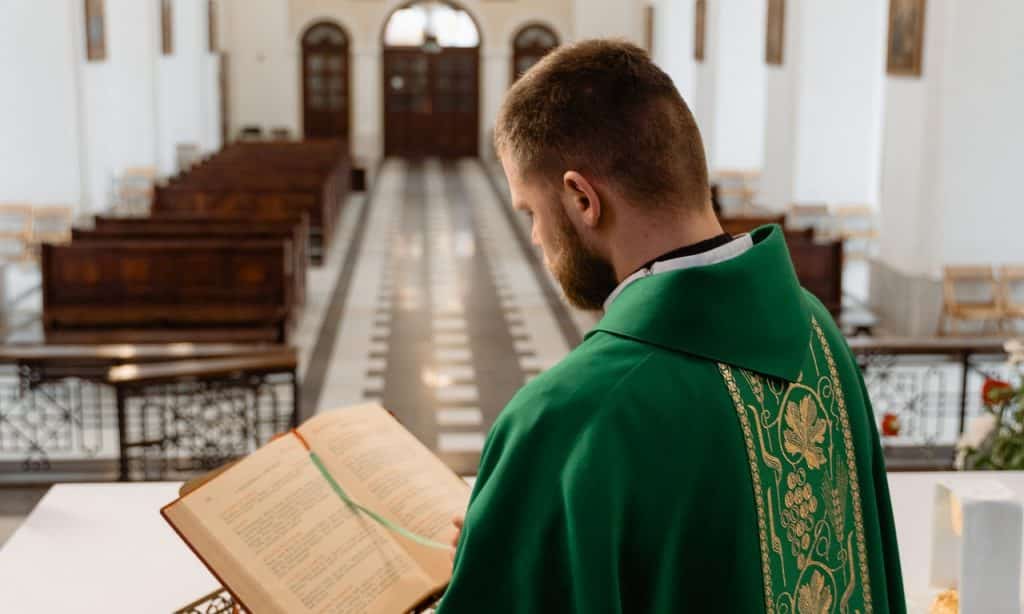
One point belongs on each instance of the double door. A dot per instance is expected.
(431, 102)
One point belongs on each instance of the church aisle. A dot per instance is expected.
(445, 317)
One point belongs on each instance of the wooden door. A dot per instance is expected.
(431, 102)
(325, 82)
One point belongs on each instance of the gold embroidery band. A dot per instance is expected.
(755, 474)
(812, 586)
(851, 462)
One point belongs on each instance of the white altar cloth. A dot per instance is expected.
(105, 548)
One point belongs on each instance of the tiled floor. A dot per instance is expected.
(446, 316)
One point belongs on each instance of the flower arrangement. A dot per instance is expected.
(995, 440)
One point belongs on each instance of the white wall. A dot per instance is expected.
(954, 143)
(264, 65)
(263, 40)
(825, 105)
(71, 126)
(39, 124)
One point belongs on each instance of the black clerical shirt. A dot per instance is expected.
(692, 250)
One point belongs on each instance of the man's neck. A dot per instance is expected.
(647, 240)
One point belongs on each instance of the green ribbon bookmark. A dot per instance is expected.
(384, 522)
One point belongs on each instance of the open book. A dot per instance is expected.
(274, 531)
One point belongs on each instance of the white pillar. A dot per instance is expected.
(609, 19)
(367, 127)
(496, 77)
(673, 44)
(824, 104)
(730, 84)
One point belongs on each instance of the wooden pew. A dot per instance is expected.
(740, 224)
(166, 290)
(294, 232)
(819, 266)
(321, 168)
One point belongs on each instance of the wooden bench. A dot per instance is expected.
(741, 224)
(294, 233)
(167, 290)
(819, 267)
(248, 204)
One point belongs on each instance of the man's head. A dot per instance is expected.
(598, 147)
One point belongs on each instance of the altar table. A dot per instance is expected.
(105, 548)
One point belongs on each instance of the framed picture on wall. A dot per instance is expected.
(211, 9)
(95, 31)
(167, 27)
(906, 37)
(776, 34)
(700, 23)
(649, 28)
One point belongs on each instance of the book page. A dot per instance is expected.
(366, 449)
(276, 533)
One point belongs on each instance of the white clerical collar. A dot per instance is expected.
(730, 250)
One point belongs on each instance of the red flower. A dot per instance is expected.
(996, 391)
(890, 425)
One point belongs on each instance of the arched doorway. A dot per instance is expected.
(431, 81)
(325, 82)
(529, 45)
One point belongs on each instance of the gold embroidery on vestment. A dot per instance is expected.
(800, 427)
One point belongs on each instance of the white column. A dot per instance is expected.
(119, 109)
(730, 99)
(367, 117)
(496, 74)
(673, 44)
(609, 18)
(824, 105)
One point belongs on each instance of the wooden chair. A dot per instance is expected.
(15, 232)
(51, 225)
(1011, 280)
(984, 308)
(817, 216)
(281, 134)
(187, 156)
(135, 191)
(855, 226)
(737, 188)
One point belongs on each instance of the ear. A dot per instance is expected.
(583, 197)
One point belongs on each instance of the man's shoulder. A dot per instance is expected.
(604, 375)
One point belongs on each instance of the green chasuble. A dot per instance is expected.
(709, 447)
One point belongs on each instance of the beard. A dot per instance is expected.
(587, 279)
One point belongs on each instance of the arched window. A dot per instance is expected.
(427, 23)
(325, 81)
(532, 43)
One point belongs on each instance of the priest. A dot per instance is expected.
(710, 446)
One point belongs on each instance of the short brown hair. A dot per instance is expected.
(603, 107)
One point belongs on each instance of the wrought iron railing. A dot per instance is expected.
(933, 387)
(64, 422)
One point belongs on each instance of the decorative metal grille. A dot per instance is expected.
(42, 418)
(218, 602)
